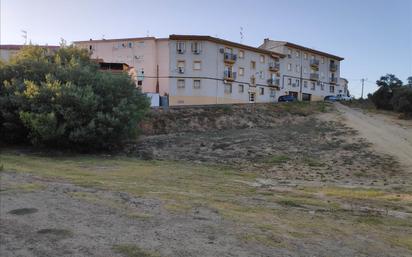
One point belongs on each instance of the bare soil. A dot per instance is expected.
(387, 133)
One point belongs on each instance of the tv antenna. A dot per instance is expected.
(24, 36)
(241, 34)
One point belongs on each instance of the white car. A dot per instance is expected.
(344, 97)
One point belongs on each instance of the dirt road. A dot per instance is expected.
(385, 133)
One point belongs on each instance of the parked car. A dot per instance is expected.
(286, 98)
(344, 97)
(330, 98)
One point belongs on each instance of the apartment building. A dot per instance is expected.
(192, 69)
(208, 70)
(309, 74)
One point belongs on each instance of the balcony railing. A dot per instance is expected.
(274, 66)
(274, 82)
(333, 80)
(314, 76)
(229, 58)
(333, 67)
(229, 75)
(314, 63)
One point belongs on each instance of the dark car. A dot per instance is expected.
(330, 98)
(286, 98)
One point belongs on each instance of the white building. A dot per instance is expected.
(193, 69)
(309, 74)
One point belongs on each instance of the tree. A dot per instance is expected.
(389, 80)
(382, 97)
(409, 79)
(61, 99)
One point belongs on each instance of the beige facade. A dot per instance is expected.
(192, 69)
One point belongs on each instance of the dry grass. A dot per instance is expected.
(263, 216)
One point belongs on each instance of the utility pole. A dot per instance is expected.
(363, 83)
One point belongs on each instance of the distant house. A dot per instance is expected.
(7, 51)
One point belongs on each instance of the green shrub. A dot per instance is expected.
(62, 99)
(402, 100)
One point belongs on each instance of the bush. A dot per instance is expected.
(61, 99)
(402, 100)
(382, 98)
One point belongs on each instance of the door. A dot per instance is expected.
(252, 96)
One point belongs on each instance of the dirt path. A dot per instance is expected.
(387, 135)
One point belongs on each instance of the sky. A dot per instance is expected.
(374, 36)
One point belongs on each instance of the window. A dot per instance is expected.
(196, 83)
(241, 54)
(241, 88)
(130, 44)
(331, 89)
(272, 93)
(241, 71)
(197, 65)
(90, 47)
(181, 83)
(322, 86)
(297, 54)
(262, 58)
(322, 75)
(305, 56)
(289, 66)
(180, 47)
(228, 88)
(323, 59)
(313, 86)
(289, 81)
(253, 65)
(305, 70)
(297, 82)
(262, 91)
(312, 57)
(289, 53)
(228, 50)
(139, 82)
(261, 75)
(305, 84)
(297, 68)
(181, 67)
(196, 47)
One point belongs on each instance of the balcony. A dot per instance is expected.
(314, 76)
(274, 66)
(229, 75)
(229, 58)
(333, 67)
(333, 80)
(314, 63)
(273, 82)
